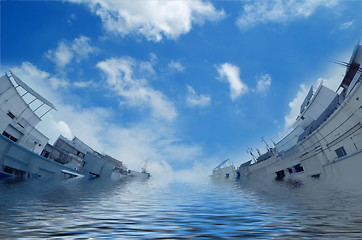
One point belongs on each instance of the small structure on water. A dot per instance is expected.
(225, 169)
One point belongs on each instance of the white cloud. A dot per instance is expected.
(36, 77)
(231, 74)
(154, 141)
(72, 18)
(81, 47)
(65, 52)
(346, 25)
(278, 11)
(152, 19)
(136, 92)
(195, 100)
(29, 71)
(263, 83)
(176, 66)
(60, 56)
(57, 82)
(146, 67)
(64, 130)
(84, 84)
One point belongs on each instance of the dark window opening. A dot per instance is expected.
(316, 176)
(6, 134)
(298, 168)
(227, 175)
(11, 115)
(340, 152)
(13, 171)
(45, 154)
(10, 137)
(20, 125)
(280, 175)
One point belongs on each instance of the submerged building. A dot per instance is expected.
(24, 150)
(325, 143)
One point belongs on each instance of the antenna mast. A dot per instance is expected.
(250, 151)
(267, 145)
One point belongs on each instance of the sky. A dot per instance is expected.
(182, 84)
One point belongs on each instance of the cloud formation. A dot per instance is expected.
(195, 100)
(278, 11)
(78, 49)
(57, 82)
(263, 84)
(152, 19)
(176, 66)
(136, 92)
(231, 73)
(345, 25)
(84, 84)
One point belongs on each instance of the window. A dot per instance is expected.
(45, 153)
(280, 175)
(22, 122)
(298, 168)
(340, 152)
(9, 136)
(16, 172)
(11, 115)
(316, 176)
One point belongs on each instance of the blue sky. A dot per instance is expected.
(184, 84)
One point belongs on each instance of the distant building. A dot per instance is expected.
(72, 152)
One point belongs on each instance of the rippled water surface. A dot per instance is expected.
(83, 209)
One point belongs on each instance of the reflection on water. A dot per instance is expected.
(147, 210)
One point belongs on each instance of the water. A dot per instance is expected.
(94, 209)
